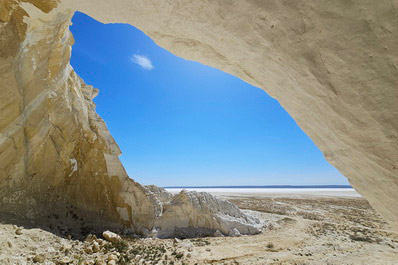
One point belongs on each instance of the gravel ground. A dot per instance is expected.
(297, 230)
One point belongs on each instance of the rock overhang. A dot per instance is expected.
(331, 66)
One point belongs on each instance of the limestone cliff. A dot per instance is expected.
(59, 164)
(57, 157)
(331, 64)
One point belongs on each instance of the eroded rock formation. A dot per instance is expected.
(332, 66)
(59, 163)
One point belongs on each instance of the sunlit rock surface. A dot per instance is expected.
(331, 64)
(199, 213)
(160, 193)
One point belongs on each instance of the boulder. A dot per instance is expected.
(111, 237)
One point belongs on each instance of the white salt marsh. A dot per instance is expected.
(267, 192)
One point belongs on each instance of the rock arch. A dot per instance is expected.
(332, 65)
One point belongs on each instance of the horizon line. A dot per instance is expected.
(259, 186)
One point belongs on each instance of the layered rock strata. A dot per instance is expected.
(59, 163)
(331, 65)
(190, 214)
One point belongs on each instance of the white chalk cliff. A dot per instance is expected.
(333, 65)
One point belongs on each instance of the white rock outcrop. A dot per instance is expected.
(198, 214)
(160, 193)
(111, 237)
(333, 65)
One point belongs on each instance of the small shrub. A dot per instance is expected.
(179, 255)
(121, 246)
(361, 238)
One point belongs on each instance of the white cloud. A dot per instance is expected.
(142, 61)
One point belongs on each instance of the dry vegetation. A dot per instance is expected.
(301, 230)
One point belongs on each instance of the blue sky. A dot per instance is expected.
(179, 122)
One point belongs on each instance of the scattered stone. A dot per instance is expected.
(51, 250)
(65, 260)
(96, 247)
(90, 238)
(66, 247)
(39, 258)
(88, 250)
(218, 234)
(111, 237)
(208, 249)
(112, 257)
(100, 262)
(112, 262)
(18, 231)
(186, 244)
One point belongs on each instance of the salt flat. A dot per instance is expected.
(274, 192)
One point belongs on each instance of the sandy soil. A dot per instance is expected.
(297, 230)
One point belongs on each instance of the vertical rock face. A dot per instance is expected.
(332, 65)
(58, 160)
(56, 152)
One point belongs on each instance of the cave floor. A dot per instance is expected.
(297, 230)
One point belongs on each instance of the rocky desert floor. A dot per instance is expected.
(297, 230)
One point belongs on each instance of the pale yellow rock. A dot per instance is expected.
(112, 257)
(333, 65)
(18, 231)
(65, 260)
(96, 247)
(111, 237)
(39, 258)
